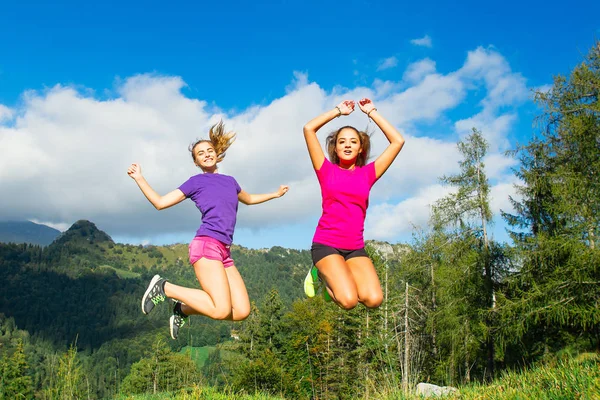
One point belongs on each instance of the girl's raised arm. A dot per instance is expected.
(383, 162)
(159, 202)
(250, 199)
(310, 131)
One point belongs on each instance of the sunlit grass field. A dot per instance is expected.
(573, 378)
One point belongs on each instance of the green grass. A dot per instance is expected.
(198, 354)
(577, 378)
(199, 392)
(121, 273)
(562, 379)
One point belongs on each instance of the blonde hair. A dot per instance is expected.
(218, 138)
(365, 143)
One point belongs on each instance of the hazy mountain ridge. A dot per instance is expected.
(27, 232)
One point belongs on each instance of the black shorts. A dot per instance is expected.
(320, 251)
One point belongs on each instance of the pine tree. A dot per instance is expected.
(467, 210)
(67, 381)
(161, 370)
(15, 383)
(557, 220)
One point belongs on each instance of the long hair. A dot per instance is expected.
(218, 138)
(365, 143)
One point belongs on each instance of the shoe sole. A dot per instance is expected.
(155, 279)
(171, 325)
(309, 284)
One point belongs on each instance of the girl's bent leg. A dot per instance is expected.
(240, 303)
(367, 281)
(339, 279)
(214, 300)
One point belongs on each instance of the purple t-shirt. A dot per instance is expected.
(216, 196)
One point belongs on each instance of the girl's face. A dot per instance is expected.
(347, 146)
(205, 156)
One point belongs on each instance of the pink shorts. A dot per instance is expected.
(210, 248)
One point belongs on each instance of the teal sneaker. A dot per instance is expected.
(310, 281)
(154, 294)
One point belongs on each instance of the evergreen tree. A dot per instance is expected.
(161, 370)
(467, 210)
(15, 383)
(66, 382)
(556, 291)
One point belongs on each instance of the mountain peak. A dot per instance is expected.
(83, 231)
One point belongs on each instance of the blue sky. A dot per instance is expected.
(265, 68)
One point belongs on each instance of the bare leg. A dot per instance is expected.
(367, 281)
(339, 279)
(214, 300)
(240, 303)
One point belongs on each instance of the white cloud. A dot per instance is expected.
(390, 220)
(503, 86)
(427, 100)
(543, 88)
(387, 63)
(498, 166)
(5, 113)
(65, 152)
(60, 226)
(300, 80)
(495, 128)
(499, 196)
(425, 41)
(415, 72)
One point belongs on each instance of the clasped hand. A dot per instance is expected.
(346, 107)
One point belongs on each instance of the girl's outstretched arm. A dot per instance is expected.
(159, 202)
(383, 162)
(250, 199)
(310, 131)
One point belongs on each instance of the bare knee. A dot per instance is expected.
(221, 312)
(240, 315)
(373, 301)
(347, 302)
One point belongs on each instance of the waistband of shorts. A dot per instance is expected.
(205, 238)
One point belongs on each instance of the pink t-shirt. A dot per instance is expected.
(345, 200)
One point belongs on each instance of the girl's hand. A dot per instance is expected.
(135, 171)
(283, 189)
(366, 105)
(346, 107)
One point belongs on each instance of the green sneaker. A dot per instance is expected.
(326, 295)
(309, 282)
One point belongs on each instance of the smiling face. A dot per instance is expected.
(348, 146)
(205, 156)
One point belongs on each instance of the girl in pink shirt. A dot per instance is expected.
(338, 248)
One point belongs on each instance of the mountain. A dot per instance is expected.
(83, 232)
(27, 232)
